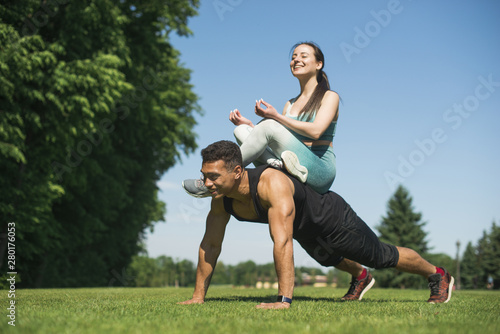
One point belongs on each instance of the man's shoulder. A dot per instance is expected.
(273, 180)
(271, 174)
(260, 173)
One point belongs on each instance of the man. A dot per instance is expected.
(324, 225)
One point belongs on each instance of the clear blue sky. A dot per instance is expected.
(420, 84)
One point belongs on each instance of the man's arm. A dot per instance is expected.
(276, 194)
(210, 249)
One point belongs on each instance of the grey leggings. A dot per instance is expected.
(266, 141)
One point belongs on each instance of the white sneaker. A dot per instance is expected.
(195, 188)
(293, 166)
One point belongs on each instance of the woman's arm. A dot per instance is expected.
(327, 113)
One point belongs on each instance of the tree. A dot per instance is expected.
(94, 108)
(143, 270)
(402, 227)
(492, 255)
(470, 270)
(488, 257)
(221, 274)
(267, 272)
(166, 271)
(186, 273)
(245, 273)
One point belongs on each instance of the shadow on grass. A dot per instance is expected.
(272, 298)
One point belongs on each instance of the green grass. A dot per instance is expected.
(227, 310)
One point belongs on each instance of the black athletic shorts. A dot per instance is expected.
(354, 240)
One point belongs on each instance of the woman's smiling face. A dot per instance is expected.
(304, 61)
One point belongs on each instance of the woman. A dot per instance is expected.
(299, 139)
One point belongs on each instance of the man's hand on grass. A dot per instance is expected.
(273, 306)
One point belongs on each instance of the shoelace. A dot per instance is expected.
(354, 285)
(200, 183)
(434, 286)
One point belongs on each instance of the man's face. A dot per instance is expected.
(218, 180)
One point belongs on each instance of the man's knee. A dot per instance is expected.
(388, 257)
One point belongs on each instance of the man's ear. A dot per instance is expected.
(238, 170)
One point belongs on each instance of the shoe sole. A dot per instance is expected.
(293, 166)
(194, 195)
(368, 287)
(450, 288)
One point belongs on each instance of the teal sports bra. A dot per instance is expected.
(327, 135)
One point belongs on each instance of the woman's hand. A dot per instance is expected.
(237, 119)
(269, 112)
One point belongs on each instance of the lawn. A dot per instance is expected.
(228, 310)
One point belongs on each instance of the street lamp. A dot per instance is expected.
(458, 264)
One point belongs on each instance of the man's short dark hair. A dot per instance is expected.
(224, 150)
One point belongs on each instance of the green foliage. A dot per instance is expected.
(160, 272)
(490, 253)
(470, 269)
(165, 271)
(245, 273)
(222, 274)
(94, 108)
(402, 227)
(482, 261)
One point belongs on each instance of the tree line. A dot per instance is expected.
(400, 226)
(480, 263)
(164, 271)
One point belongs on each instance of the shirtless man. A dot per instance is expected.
(324, 225)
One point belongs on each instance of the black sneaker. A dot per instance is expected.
(359, 288)
(441, 287)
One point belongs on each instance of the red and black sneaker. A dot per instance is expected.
(359, 287)
(441, 287)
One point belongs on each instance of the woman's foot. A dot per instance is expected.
(195, 188)
(293, 166)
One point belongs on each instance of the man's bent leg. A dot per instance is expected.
(353, 268)
(411, 262)
(440, 280)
